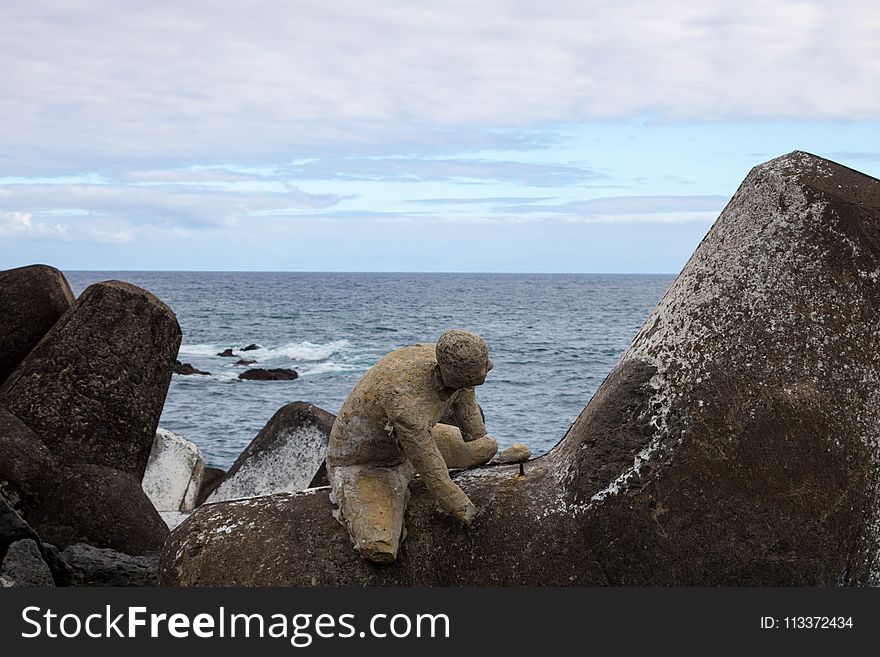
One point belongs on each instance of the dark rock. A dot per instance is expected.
(186, 369)
(32, 299)
(258, 374)
(211, 478)
(104, 567)
(244, 361)
(94, 387)
(14, 529)
(733, 444)
(24, 565)
(100, 506)
(284, 456)
(25, 463)
(252, 347)
(227, 353)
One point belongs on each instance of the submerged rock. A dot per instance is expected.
(32, 299)
(735, 443)
(284, 456)
(174, 472)
(94, 387)
(227, 353)
(257, 374)
(244, 361)
(185, 369)
(251, 347)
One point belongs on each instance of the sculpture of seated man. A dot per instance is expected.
(389, 428)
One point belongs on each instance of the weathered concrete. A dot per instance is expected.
(174, 472)
(516, 453)
(14, 529)
(284, 456)
(94, 387)
(735, 443)
(32, 299)
(24, 565)
(25, 463)
(100, 506)
(211, 478)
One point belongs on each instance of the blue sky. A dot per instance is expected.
(404, 136)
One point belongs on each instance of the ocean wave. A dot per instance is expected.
(302, 351)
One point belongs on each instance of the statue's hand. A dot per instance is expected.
(458, 505)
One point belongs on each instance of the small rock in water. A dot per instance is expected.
(245, 361)
(252, 347)
(257, 374)
(227, 353)
(516, 453)
(186, 369)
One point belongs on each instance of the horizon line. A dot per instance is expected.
(316, 271)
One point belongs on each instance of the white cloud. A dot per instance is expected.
(199, 80)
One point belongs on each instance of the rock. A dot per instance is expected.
(100, 506)
(93, 389)
(735, 443)
(32, 299)
(14, 529)
(24, 565)
(516, 453)
(252, 347)
(227, 353)
(173, 518)
(185, 369)
(257, 374)
(244, 361)
(174, 472)
(25, 463)
(211, 478)
(284, 456)
(103, 567)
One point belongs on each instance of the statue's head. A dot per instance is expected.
(463, 359)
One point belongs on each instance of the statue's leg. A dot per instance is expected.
(372, 501)
(460, 454)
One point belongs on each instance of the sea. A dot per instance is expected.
(553, 338)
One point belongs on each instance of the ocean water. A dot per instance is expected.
(552, 337)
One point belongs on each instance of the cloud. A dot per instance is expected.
(435, 170)
(480, 200)
(624, 206)
(190, 176)
(218, 80)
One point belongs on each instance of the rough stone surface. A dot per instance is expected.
(24, 565)
(284, 456)
(259, 374)
(516, 453)
(186, 369)
(32, 299)
(100, 506)
(735, 443)
(174, 472)
(211, 478)
(94, 387)
(25, 463)
(103, 567)
(13, 528)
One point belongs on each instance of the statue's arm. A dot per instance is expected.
(414, 437)
(467, 416)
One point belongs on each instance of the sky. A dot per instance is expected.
(500, 135)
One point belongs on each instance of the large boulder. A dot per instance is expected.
(174, 472)
(32, 299)
(284, 456)
(100, 506)
(93, 566)
(94, 387)
(14, 530)
(735, 443)
(24, 565)
(25, 463)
